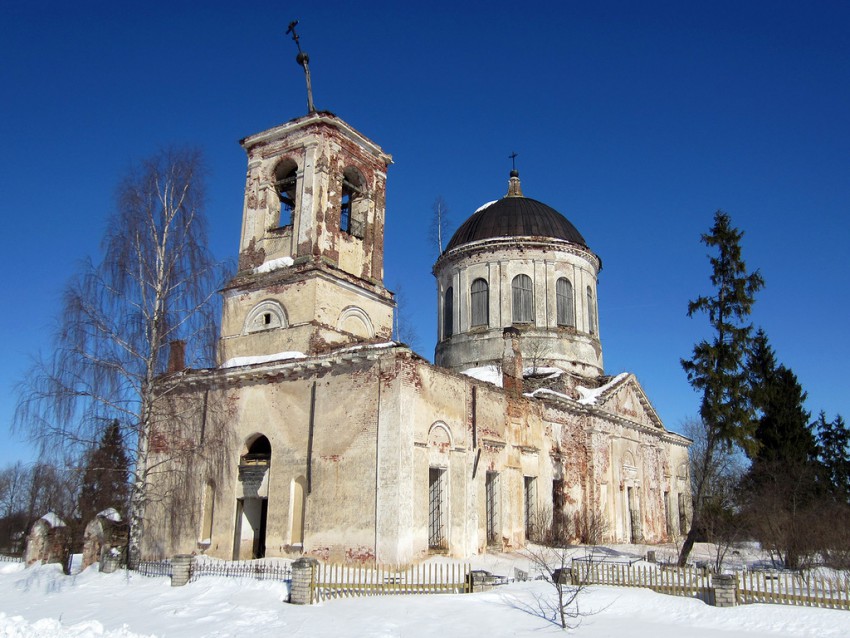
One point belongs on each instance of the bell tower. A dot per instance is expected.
(310, 274)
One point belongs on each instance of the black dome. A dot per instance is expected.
(515, 217)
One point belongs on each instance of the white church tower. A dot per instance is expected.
(310, 273)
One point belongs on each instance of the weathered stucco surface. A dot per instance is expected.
(351, 448)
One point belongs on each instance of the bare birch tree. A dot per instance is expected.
(440, 222)
(154, 288)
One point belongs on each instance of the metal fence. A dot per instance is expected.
(334, 580)
(5, 558)
(154, 568)
(256, 569)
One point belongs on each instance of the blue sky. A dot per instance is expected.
(635, 120)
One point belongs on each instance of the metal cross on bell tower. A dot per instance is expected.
(303, 60)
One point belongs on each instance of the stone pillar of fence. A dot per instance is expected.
(650, 556)
(302, 581)
(725, 590)
(181, 569)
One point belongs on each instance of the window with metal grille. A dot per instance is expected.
(530, 506)
(436, 515)
(523, 299)
(448, 313)
(564, 302)
(492, 507)
(591, 313)
(480, 297)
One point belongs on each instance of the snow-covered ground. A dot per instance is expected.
(42, 602)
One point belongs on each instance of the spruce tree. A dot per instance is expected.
(717, 367)
(105, 479)
(834, 452)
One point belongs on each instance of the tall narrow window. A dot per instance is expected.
(492, 507)
(564, 302)
(480, 294)
(530, 507)
(352, 214)
(591, 313)
(448, 313)
(345, 211)
(286, 181)
(523, 299)
(436, 507)
(559, 528)
(207, 514)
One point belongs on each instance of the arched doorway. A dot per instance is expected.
(252, 507)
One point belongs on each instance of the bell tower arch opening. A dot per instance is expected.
(312, 240)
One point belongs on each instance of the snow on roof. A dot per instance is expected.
(273, 264)
(487, 205)
(53, 520)
(552, 373)
(110, 514)
(590, 395)
(235, 362)
(490, 374)
(362, 346)
(540, 391)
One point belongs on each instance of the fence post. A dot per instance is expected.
(302, 581)
(725, 586)
(181, 569)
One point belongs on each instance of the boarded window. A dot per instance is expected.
(480, 303)
(591, 312)
(492, 507)
(448, 313)
(523, 299)
(436, 508)
(564, 302)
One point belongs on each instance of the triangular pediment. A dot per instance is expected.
(626, 399)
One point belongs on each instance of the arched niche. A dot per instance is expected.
(266, 315)
(354, 320)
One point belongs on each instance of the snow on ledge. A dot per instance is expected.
(490, 374)
(110, 514)
(274, 264)
(369, 346)
(236, 362)
(590, 395)
(53, 520)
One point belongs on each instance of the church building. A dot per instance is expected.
(330, 440)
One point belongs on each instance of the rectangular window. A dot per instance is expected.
(683, 516)
(530, 507)
(436, 509)
(492, 507)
